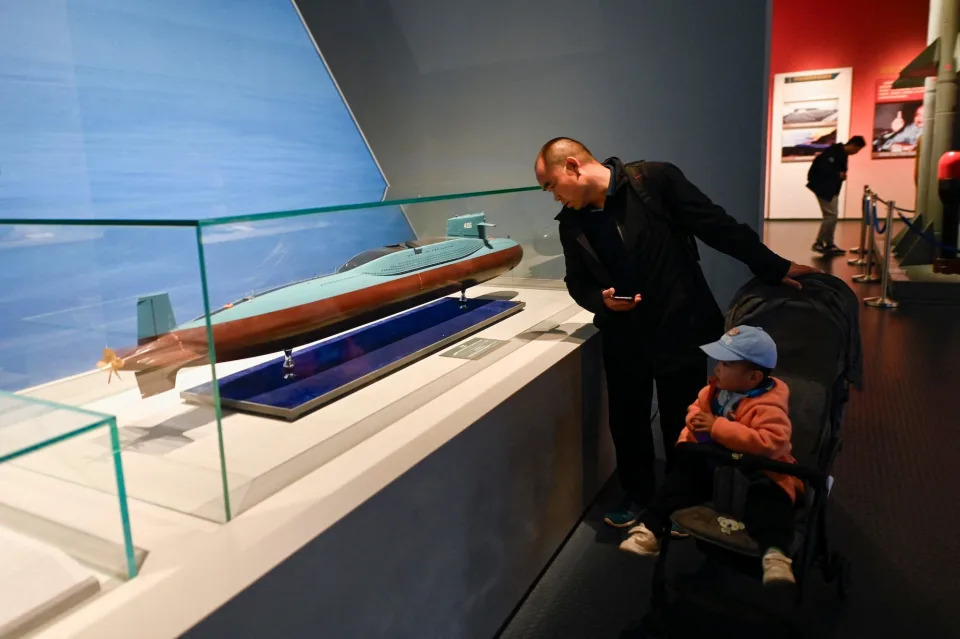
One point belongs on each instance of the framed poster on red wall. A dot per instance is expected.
(810, 111)
(897, 120)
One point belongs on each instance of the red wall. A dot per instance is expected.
(876, 38)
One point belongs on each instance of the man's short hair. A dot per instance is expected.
(857, 141)
(557, 150)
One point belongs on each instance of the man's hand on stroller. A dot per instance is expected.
(797, 270)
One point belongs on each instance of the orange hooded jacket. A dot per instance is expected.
(759, 426)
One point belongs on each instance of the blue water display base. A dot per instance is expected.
(331, 368)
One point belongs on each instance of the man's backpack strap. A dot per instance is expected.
(651, 197)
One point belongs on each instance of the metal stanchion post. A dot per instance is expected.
(884, 301)
(859, 250)
(866, 276)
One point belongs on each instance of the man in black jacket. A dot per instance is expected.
(627, 232)
(824, 178)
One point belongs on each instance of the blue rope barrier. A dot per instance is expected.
(874, 219)
(925, 235)
(882, 201)
(870, 211)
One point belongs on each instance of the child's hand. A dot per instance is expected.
(702, 422)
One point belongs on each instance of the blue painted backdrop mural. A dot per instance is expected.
(167, 110)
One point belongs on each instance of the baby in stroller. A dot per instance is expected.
(742, 409)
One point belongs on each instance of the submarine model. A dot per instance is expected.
(369, 286)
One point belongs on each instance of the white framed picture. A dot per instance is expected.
(810, 111)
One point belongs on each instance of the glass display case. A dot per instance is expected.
(65, 532)
(148, 321)
(179, 332)
(78, 296)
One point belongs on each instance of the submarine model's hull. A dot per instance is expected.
(370, 286)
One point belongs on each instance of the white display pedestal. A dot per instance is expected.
(37, 582)
(428, 501)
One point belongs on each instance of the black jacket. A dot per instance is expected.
(823, 176)
(657, 214)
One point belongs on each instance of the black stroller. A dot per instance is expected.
(819, 357)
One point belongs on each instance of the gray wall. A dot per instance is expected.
(456, 96)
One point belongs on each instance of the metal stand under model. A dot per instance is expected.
(336, 366)
(463, 299)
(288, 364)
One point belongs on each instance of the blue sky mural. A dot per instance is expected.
(164, 110)
(118, 109)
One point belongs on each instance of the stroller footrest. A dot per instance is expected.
(707, 524)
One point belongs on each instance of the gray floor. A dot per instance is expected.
(894, 507)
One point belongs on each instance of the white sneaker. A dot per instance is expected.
(777, 568)
(641, 542)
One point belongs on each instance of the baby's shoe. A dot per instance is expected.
(777, 568)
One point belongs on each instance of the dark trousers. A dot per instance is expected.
(769, 512)
(630, 397)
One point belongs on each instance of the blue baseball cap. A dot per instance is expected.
(744, 343)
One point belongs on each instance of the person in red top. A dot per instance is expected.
(742, 409)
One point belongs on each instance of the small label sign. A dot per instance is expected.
(474, 348)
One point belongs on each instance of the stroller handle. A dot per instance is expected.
(816, 477)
